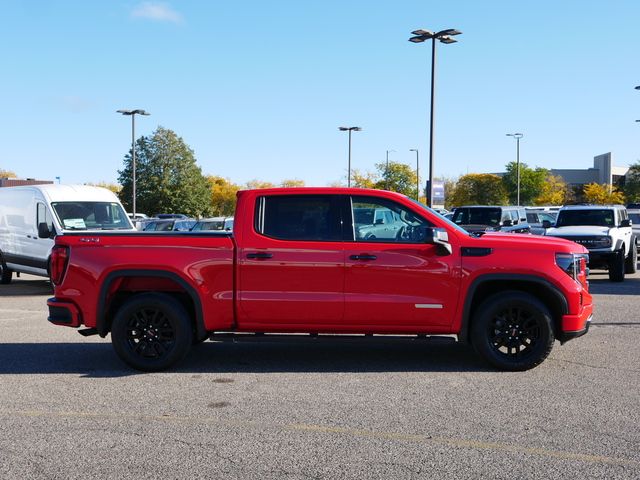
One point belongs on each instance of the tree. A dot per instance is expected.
(258, 184)
(602, 194)
(479, 189)
(168, 180)
(553, 191)
(632, 183)
(292, 183)
(7, 174)
(531, 182)
(223, 196)
(363, 180)
(450, 185)
(398, 177)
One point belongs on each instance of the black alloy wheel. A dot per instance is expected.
(151, 332)
(513, 331)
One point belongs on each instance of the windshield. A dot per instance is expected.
(477, 216)
(91, 216)
(449, 222)
(596, 217)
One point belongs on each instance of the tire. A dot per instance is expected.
(631, 265)
(151, 332)
(5, 274)
(512, 331)
(617, 267)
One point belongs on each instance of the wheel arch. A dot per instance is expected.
(486, 285)
(109, 301)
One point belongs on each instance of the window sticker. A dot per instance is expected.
(74, 223)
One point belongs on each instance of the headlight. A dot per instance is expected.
(573, 264)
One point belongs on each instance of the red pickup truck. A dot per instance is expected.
(322, 261)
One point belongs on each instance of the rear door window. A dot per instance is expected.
(300, 217)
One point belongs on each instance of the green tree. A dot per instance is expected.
(479, 189)
(167, 177)
(109, 186)
(363, 180)
(602, 194)
(258, 184)
(531, 182)
(632, 183)
(223, 196)
(554, 191)
(397, 178)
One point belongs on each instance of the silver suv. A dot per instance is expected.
(605, 230)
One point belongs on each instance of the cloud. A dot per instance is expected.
(157, 11)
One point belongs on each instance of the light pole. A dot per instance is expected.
(417, 173)
(517, 136)
(444, 36)
(349, 129)
(386, 171)
(133, 113)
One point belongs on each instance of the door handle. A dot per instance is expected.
(259, 255)
(363, 257)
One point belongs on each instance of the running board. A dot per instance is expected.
(320, 337)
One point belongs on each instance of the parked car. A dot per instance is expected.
(634, 216)
(482, 218)
(535, 218)
(31, 216)
(169, 225)
(171, 215)
(605, 230)
(295, 264)
(215, 223)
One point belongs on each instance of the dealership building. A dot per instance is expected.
(603, 172)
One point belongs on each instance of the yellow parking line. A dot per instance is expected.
(301, 427)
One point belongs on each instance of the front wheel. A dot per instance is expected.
(631, 265)
(617, 267)
(512, 331)
(151, 332)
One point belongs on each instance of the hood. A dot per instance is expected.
(578, 231)
(526, 241)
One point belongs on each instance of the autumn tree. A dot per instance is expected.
(223, 196)
(479, 189)
(258, 184)
(292, 183)
(6, 173)
(553, 191)
(397, 177)
(602, 194)
(168, 179)
(363, 179)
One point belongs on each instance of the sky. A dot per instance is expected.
(258, 89)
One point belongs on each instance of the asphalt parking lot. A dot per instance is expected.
(70, 409)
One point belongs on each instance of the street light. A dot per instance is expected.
(133, 113)
(349, 129)
(386, 171)
(417, 173)
(444, 36)
(517, 136)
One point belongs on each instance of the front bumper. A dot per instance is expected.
(574, 326)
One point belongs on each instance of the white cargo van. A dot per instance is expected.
(31, 216)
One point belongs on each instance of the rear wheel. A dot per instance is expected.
(151, 332)
(512, 331)
(631, 265)
(5, 274)
(617, 267)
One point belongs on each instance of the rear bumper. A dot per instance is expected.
(63, 313)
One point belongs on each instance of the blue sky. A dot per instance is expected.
(258, 89)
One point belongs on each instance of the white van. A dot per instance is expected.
(31, 216)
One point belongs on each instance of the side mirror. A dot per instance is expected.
(507, 223)
(546, 224)
(378, 222)
(440, 238)
(626, 223)
(43, 230)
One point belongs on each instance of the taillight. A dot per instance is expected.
(58, 265)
